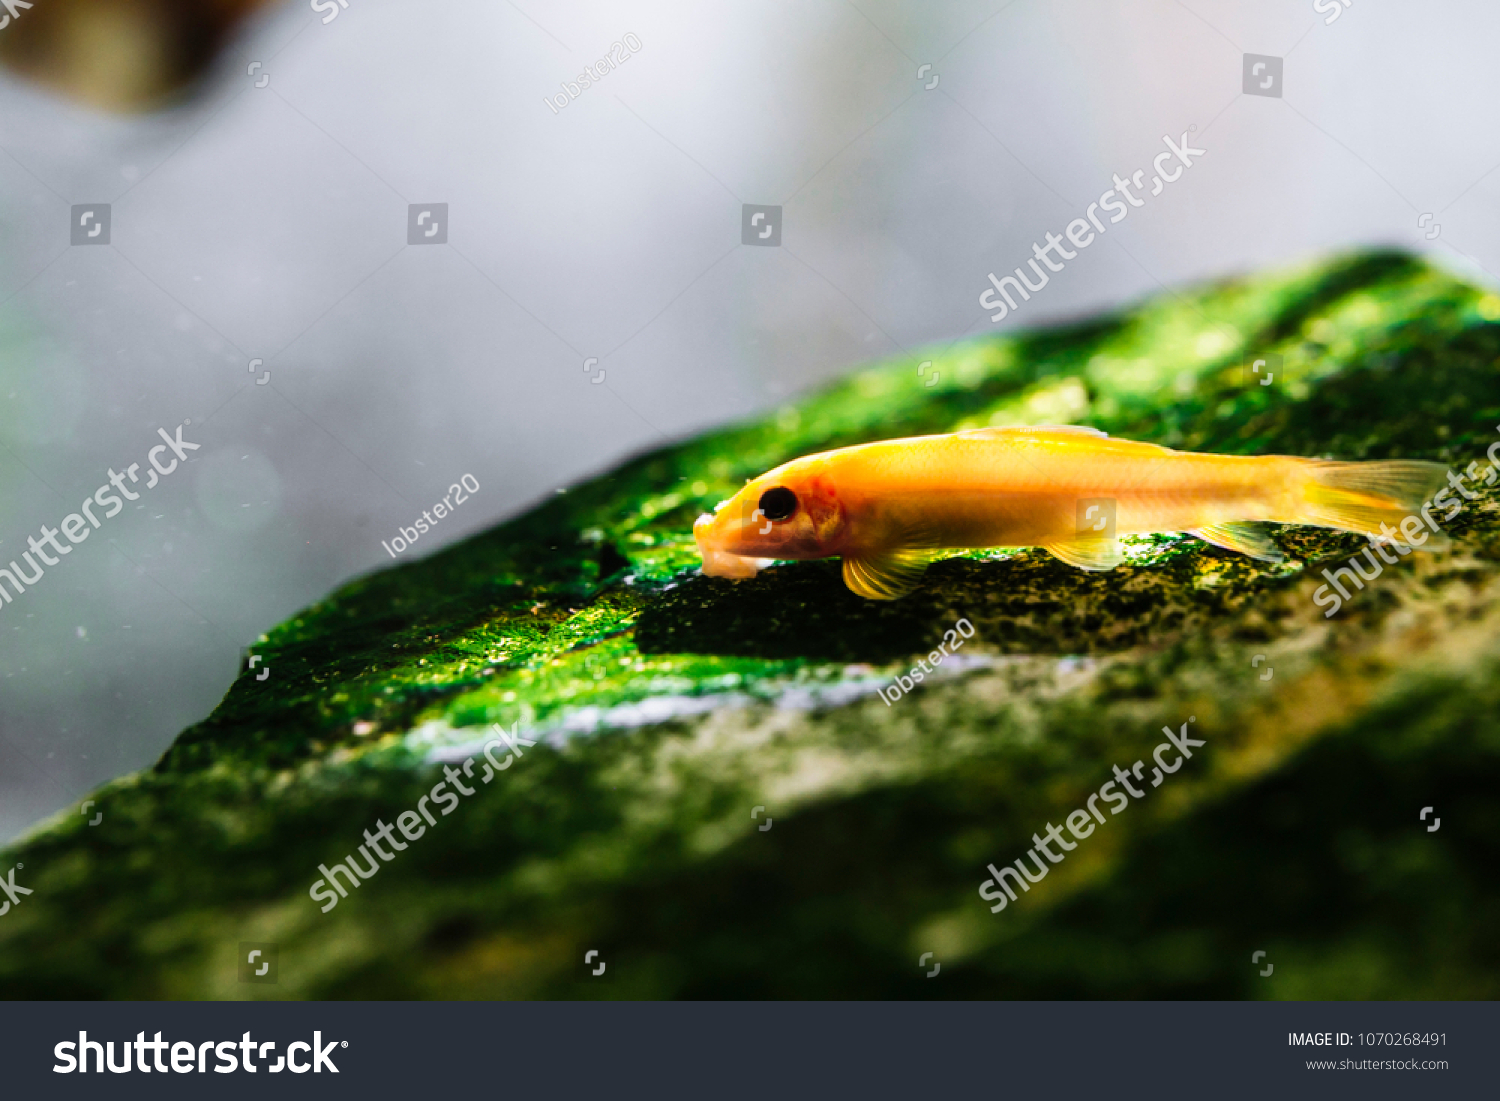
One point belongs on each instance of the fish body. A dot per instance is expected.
(887, 508)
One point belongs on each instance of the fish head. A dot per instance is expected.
(792, 512)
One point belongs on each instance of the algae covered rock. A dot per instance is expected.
(700, 782)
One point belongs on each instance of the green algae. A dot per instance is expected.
(632, 832)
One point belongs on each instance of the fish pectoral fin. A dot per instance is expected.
(1035, 430)
(1088, 554)
(886, 575)
(1243, 537)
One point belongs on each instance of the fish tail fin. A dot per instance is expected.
(1363, 497)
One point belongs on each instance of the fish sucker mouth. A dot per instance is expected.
(718, 562)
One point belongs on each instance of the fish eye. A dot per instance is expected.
(778, 503)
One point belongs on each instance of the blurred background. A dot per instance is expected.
(588, 293)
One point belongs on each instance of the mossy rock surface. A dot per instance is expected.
(667, 707)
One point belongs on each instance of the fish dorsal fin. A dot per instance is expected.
(1088, 554)
(1243, 537)
(886, 575)
(1069, 430)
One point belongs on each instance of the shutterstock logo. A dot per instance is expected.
(1167, 167)
(427, 224)
(330, 7)
(13, 890)
(1096, 517)
(78, 526)
(12, 11)
(258, 961)
(90, 222)
(760, 225)
(188, 1057)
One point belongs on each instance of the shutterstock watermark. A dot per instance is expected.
(13, 890)
(431, 516)
(410, 822)
(619, 53)
(1332, 8)
(189, 1057)
(12, 11)
(1078, 231)
(951, 642)
(1082, 823)
(330, 7)
(1414, 531)
(74, 525)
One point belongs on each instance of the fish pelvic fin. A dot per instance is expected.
(1088, 554)
(1243, 537)
(886, 575)
(1361, 497)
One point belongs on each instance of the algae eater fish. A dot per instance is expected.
(888, 508)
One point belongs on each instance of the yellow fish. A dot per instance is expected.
(889, 508)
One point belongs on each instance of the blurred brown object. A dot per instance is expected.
(122, 55)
